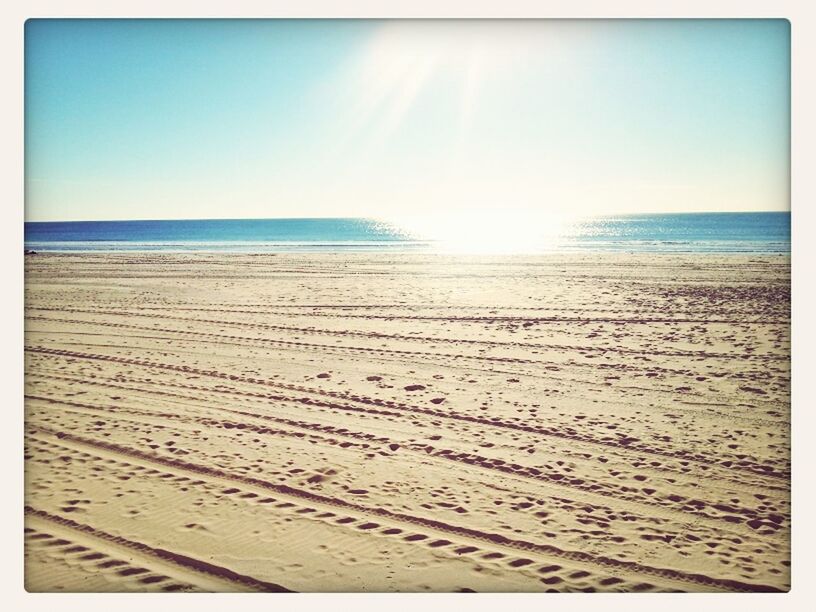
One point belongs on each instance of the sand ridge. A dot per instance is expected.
(335, 422)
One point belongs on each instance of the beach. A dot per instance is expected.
(407, 422)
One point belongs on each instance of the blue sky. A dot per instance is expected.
(152, 119)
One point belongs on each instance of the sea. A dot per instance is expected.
(755, 232)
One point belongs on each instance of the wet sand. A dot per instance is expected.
(342, 422)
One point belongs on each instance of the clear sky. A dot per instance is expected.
(164, 119)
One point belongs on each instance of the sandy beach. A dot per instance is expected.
(414, 423)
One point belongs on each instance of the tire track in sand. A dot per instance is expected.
(756, 468)
(545, 550)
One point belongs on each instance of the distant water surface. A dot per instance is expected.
(764, 232)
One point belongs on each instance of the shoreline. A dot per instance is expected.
(398, 249)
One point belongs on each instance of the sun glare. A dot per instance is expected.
(399, 62)
(488, 232)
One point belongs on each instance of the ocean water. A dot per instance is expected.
(764, 232)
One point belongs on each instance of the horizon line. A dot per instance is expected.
(386, 220)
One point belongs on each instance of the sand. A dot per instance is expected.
(362, 422)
